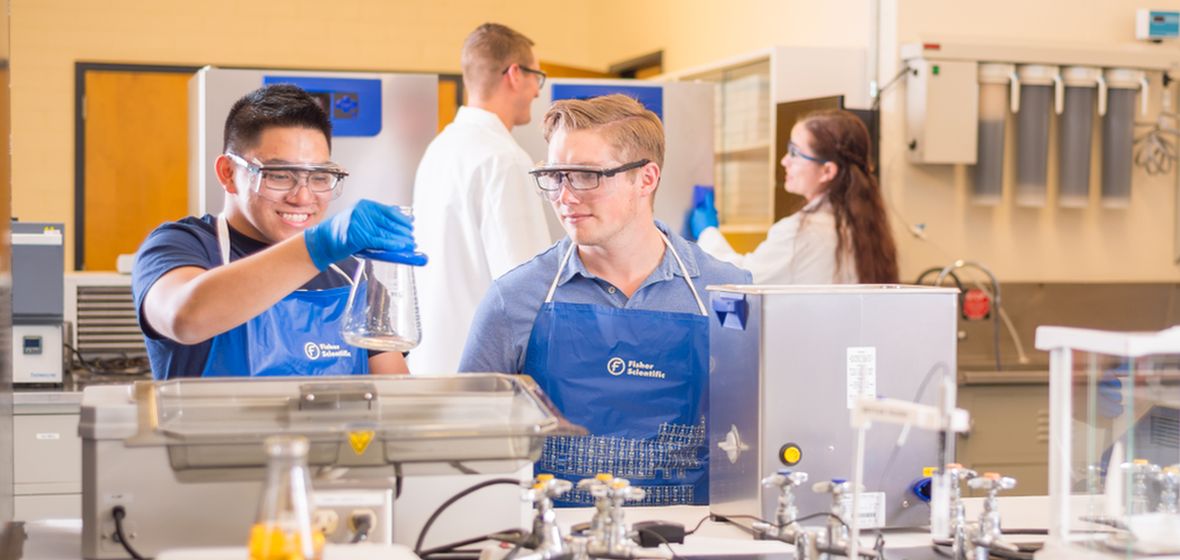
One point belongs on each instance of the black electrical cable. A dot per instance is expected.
(441, 508)
(515, 548)
(698, 525)
(452, 547)
(889, 84)
(119, 513)
(997, 552)
(663, 541)
(362, 524)
(122, 365)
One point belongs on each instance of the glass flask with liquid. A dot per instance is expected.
(382, 309)
(283, 529)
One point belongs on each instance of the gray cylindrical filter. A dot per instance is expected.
(994, 80)
(1117, 140)
(1073, 157)
(1118, 122)
(1032, 144)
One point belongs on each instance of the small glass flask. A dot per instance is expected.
(283, 529)
(382, 311)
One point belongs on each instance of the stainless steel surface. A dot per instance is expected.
(785, 379)
(196, 447)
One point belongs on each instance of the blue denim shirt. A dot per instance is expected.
(499, 334)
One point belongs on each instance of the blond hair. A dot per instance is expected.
(631, 130)
(489, 50)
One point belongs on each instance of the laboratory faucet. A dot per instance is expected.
(1141, 471)
(786, 528)
(989, 534)
(546, 539)
(609, 534)
(836, 536)
(958, 475)
(1169, 479)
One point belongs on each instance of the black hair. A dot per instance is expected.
(279, 105)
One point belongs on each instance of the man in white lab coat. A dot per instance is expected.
(476, 210)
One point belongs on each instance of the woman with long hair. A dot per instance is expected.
(841, 235)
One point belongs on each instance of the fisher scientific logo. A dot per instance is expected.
(317, 350)
(617, 366)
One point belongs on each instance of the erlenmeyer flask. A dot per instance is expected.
(283, 528)
(383, 305)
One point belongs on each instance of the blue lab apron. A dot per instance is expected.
(299, 335)
(638, 381)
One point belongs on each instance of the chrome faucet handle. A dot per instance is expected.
(992, 482)
(785, 479)
(547, 486)
(784, 527)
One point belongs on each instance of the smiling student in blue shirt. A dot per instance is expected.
(261, 289)
(611, 321)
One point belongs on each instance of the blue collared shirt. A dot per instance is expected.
(499, 334)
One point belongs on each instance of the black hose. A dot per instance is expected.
(119, 513)
(451, 547)
(437, 512)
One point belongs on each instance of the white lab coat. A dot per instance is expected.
(477, 216)
(799, 249)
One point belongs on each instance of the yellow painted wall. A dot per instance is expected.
(1093, 244)
(49, 36)
(1022, 244)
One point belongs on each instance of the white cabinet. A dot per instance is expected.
(47, 456)
(747, 141)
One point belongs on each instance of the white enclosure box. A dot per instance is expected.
(1114, 463)
(942, 111)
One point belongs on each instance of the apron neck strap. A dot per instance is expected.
(223, 246)
(223, 237)
(683, 270)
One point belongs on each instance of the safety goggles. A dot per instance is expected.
(794, 152)
(279, 181)
(578, 178)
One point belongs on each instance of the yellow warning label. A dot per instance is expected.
(928, 471)
(360, 441)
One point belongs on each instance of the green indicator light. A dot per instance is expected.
(934, 70)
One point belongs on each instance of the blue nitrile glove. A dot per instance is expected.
(367, 225)
(1110, 395)
(704, 215)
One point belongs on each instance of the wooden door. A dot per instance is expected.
(136, 160)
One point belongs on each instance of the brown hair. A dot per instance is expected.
(631, 130)
(488, 51)
(841, 138)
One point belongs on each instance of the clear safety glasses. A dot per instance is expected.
(578, 178)
(795, 153)
(277, 182)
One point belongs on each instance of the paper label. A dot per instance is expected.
(48, 436)
(349, 499)
(862, 373)
(872, 509)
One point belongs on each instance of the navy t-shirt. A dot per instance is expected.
(193, 242)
